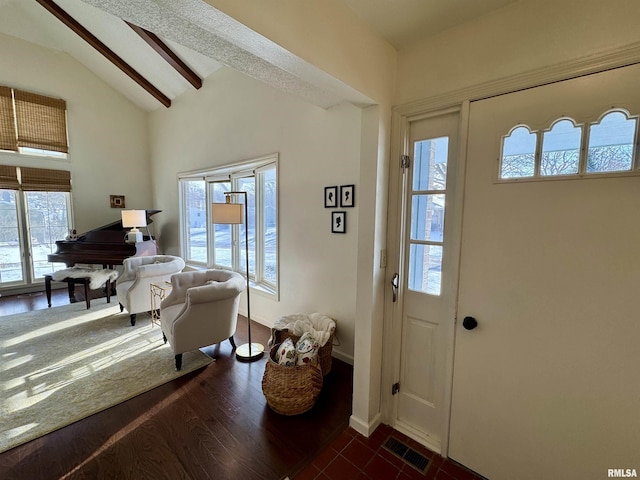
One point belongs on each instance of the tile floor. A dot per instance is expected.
(354, 457)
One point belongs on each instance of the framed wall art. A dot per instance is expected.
(347, 193)
(330, 197)
(116, 201)
(338, 222)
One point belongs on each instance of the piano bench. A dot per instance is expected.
(71, 285)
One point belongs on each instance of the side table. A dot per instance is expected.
(158, 292)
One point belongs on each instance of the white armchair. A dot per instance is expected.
(133, 287)
(201, 310)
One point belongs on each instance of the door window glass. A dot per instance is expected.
(611, 144)
(427, 217)
(425, 268)
(563, 153)
(428, 196)
(430, 164)
(561, 149)
(518, 154)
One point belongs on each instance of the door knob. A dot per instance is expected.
(469, 323)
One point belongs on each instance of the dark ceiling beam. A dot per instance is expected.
(88, 37)
(165, 52)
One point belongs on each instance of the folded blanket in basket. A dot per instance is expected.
(318, 324)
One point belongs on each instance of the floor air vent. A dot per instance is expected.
(406, 453)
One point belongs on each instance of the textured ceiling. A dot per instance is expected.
(207, 39)
(200, 27)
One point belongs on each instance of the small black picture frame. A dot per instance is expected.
(330, 197)
(347, 193)
(338, 222)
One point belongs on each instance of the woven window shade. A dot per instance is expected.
(45, 180)
(9, 177)
(42, 122)
(8, 140)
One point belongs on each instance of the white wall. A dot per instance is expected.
(328, 35)
(107, 134)
(235, 118)
(518, 38)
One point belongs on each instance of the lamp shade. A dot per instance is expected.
(134, 218)
(227, 213)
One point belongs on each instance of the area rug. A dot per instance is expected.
(63, 364)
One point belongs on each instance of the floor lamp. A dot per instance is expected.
(234, 214)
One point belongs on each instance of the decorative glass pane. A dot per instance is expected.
(195, 220)
(518, 154)
(248, 184)
(427, 217)
(611, 144)
(425, 268)
(270, 216)
(430, 164)
(48, 222)
(561, 149)
(221, 232)
(10, 255)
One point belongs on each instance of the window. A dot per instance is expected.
(608, 147)
(194, 215)
(518, 154)
(32, 123)
(204, 244)
(561, 149)
(611, 143)
(35, 212)
(428, 193)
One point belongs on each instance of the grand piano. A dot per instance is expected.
(104, 246)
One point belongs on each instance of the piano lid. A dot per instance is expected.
(113, 232)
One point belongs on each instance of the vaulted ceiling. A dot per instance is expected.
(171, 53)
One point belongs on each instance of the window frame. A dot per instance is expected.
(24, 226)
(582, 173)
(233, 173)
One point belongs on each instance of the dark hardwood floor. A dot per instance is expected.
(210, 424)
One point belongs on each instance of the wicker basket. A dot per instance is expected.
(291, 390)
(324, 352)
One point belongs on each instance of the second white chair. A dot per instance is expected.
(133, 287)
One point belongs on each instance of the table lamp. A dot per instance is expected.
(134, 219)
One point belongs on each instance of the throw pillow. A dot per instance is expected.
(306, 349)
(286, 353)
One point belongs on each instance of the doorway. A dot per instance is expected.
(425, 284)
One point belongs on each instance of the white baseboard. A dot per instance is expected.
(342, 356)
(363, 427)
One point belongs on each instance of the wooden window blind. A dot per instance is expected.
(45, 180)
(8, 139)
(34, 179)
(41, 121)
(9, 177)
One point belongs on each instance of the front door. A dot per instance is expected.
(546, 386)
(427, 280)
